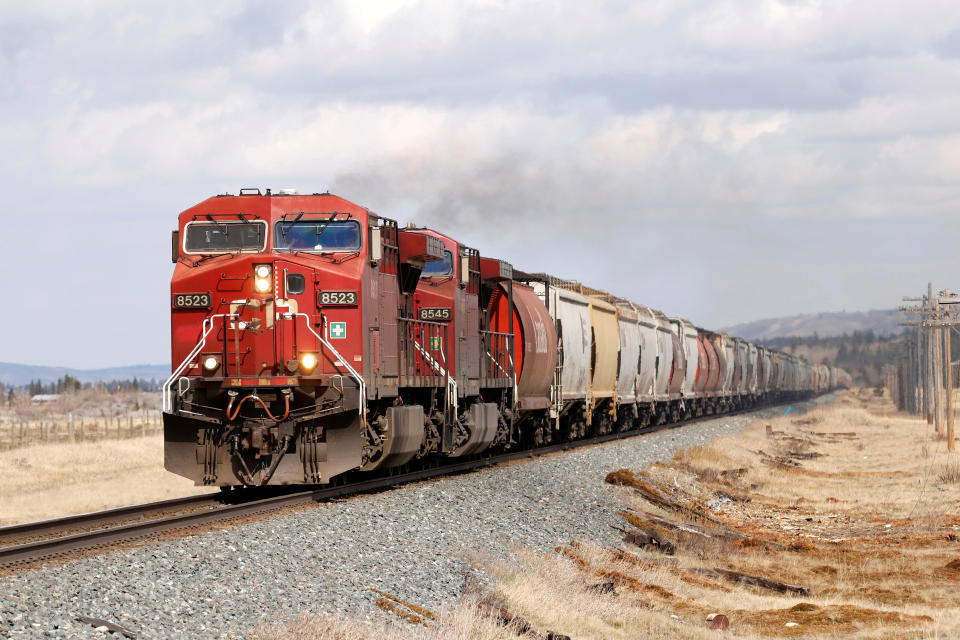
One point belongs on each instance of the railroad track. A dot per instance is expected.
(19, 534)
(33, 542)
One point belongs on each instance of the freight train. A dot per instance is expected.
(312, 337)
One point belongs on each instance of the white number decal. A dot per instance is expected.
(337, 297)
(435, 313)
(191, 300)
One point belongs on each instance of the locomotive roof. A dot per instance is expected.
(263, 204)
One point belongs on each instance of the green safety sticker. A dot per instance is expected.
(338, 329)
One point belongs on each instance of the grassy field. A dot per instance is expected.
(84, 415)
(838, 523)
(85, 451)
(54, 479)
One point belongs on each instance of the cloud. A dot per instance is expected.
(655, 149)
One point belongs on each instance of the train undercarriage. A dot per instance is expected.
(284, 435)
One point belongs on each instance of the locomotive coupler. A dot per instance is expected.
(259, 437)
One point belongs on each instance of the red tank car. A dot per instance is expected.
(311, 337)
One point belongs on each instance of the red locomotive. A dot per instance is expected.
(312, 337)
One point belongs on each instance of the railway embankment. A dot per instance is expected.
(426, 544)
(841, 522)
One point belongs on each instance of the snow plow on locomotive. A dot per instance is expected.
(312, 337)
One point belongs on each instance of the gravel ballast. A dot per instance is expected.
(410, 542)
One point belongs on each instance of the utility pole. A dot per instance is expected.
(918, 374)
(909, 379)
(919, 381)
(911, 376)
(933, 404)
(951, 444)
(924, 364)
(936, 337)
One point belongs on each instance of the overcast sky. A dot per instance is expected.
(725, 161)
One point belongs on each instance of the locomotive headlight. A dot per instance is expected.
(263, 278)
(210, 364)
(308, 362)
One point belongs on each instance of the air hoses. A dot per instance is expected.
(233, 412)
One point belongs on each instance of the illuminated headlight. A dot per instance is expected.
(210, 364)
(263, 280)
(308, 362)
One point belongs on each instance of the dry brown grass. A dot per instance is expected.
(465, 622)
(950, 472)
(48, 480)
(88, 414)
(842, 500)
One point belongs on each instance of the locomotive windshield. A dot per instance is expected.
(217, 237)
(317, 235)
(439, 267)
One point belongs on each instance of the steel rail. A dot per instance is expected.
(94, 518)
(51, 547)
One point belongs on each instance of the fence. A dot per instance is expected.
(70, 428)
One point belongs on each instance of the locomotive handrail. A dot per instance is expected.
(439, 368)
(166, 399)
(451, 388)
(510, 375)
(362, 409)
(507, 374)
(516, 390)
(451, 382)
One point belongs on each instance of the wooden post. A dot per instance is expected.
(951, 444)
(922, 374)
(918, 374)
(923, 377)
(937, 335)
(914, 386)
(928, 359)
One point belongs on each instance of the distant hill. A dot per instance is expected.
(882, 322)
(861, 353)
(20, 374)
